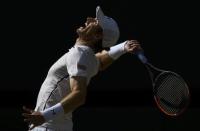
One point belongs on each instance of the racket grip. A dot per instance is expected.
(142, 57)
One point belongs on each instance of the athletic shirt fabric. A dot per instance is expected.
(78, 61)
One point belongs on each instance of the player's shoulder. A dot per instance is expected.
(79, 53)
(75, 51)
(80, 50)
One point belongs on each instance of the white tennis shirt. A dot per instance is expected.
(78, 61)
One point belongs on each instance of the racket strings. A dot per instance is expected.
(170, 92)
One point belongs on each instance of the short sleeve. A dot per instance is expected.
(77, 63)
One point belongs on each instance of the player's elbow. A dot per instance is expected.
(104, 65)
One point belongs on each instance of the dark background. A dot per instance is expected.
(35, 34)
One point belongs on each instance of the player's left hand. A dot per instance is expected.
(132, 46)
(34, 118)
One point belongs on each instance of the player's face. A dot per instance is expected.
(91, 31)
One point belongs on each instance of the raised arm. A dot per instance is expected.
(106, 58)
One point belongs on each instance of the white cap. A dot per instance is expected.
(110, 28)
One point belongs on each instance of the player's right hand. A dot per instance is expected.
(132, 46)
(34, 118)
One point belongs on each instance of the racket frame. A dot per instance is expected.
(154, 74)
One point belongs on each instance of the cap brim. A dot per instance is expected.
(100, 16)
(109, 26)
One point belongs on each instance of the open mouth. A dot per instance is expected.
(84, 26)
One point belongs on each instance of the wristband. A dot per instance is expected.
(116, 51)
(53, 112)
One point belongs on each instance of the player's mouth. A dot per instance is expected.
(83, 27)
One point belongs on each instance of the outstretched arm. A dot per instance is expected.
(106, 58)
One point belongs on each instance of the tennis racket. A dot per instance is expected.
(170, 91)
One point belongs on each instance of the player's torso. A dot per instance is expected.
(56, 85)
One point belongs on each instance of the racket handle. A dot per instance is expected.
(142, 57)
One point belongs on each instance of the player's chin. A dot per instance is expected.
(79, 29)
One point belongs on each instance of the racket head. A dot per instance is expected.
(171, 93)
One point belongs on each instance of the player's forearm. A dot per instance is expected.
(106, 58)
(73, 100)
(78, 93)
(68, 104)
(107, 61)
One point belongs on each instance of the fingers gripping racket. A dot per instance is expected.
(171, 93)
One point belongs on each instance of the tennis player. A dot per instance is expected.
(65, 86)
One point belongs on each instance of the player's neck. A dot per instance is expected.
(83, 42)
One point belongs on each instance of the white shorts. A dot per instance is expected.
(40, 128)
